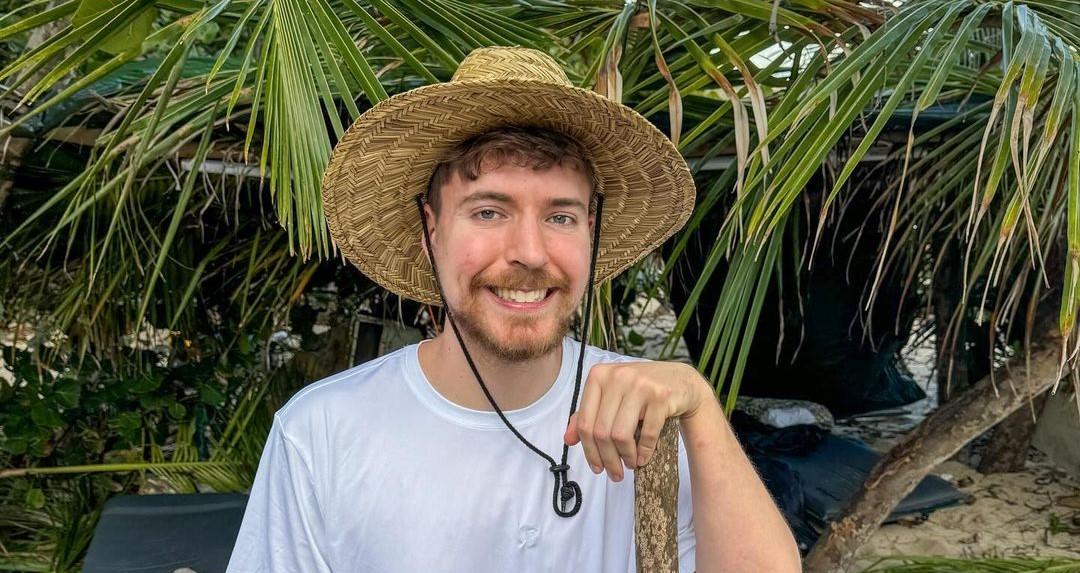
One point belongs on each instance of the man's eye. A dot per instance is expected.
(562, 219)
(487, 214)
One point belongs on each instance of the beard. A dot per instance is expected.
(516, 339)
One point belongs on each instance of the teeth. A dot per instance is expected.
(521, 295)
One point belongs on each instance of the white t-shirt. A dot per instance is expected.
(373, 471)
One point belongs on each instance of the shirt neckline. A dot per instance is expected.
(489, 419)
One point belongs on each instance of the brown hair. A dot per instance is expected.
(534, 147)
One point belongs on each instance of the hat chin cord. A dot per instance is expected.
(566, 496)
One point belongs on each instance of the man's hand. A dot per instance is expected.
(624, 407)
(725, 487)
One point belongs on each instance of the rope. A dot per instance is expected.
(565, 490)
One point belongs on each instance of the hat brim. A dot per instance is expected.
(387, 157)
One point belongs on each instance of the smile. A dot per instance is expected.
(521, 298)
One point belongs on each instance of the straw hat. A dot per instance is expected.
(387, 157)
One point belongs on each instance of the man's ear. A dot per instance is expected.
(429, 220)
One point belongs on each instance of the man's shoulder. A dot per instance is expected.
(348, 389)
(595, 355)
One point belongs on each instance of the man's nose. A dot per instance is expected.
(527, 247)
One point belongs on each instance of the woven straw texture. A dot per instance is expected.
(387, 157)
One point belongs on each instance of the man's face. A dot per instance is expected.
(512, 248)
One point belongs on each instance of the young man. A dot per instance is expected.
(502, 195)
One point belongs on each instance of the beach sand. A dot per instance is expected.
(1033, 513)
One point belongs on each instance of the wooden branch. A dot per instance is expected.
(656, 502)
(935, 440)
(1011, 439)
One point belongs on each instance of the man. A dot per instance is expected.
(502, 195)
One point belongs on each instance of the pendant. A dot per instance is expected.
(570, 499)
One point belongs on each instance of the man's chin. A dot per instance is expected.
(522, 351)
(517, 344)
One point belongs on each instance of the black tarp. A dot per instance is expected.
(163, 533)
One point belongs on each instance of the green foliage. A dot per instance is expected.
(192, 204)
(87, 410)
(998, 176)
(128, 37)
(52, 528)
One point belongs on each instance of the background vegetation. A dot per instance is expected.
(165, 267)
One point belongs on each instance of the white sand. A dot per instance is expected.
(1010, 515)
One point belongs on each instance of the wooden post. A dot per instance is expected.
(656, 501)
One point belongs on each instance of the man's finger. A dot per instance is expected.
(585, 420)
(571, 436)
(651, 426)
(625, 426)
(611, 400)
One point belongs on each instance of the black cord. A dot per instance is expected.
(565, 490)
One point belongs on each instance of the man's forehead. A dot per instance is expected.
(554, 186)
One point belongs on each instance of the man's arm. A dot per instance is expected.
(283, 526)
(737, 526)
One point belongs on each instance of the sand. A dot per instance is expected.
(1034, 513)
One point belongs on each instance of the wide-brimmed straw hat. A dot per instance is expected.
(387, 157)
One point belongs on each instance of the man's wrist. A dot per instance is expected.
(702, 396)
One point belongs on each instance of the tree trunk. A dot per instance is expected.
(656, 500)
(938, 437)
(963, 353)
(1011, 440)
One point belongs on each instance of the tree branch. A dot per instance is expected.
(934, 441)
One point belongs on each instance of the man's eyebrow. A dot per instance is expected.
(568, 202)
(487, 196)
(496, 196)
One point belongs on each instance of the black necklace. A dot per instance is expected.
(565, 491)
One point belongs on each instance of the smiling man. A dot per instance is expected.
(503, 196)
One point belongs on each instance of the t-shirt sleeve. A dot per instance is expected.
(283, 526)
(686, 541)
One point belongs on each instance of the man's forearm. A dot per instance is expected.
(737, 525)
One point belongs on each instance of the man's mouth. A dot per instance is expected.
(521, 296)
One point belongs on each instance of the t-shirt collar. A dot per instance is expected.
(488, 419)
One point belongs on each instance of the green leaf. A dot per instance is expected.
(16, 446)
(211, 395)
(67, 393)
(51, 15)
(176, 411)
(130, 36)
(35, 498)
(143, 383)
(45, 416)
(128, 425)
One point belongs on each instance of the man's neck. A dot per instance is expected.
(514, 385)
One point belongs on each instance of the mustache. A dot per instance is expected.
(521, 279)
